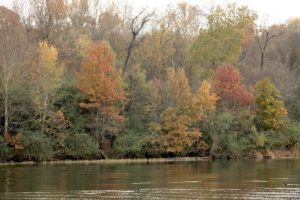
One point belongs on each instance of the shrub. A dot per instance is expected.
(223, 135)
(81, 146)
(275, 140)
(36, 146)
(293, 135)
(6, 152)
(129, 145)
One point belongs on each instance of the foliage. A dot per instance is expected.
(81, 146)
(177, 132)
(185, 90)
(229, 30)
(178, 91)
(270, 110)
(129, 145)
(204, 101)
(228, 87)
(100, 82)
(36, 147)
(141, 102)
(46, 77)
(175, 129)
(6, 152)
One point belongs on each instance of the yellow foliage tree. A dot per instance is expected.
(270, 110)
(46, 77)
(179, 90)
(176, 130)
(204, 101)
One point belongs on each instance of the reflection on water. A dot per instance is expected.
(274, 179)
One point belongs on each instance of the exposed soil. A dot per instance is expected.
(275, 154)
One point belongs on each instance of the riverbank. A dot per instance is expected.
(276, 154)
(110, 161)
(253, 155)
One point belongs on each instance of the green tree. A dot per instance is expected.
(228, 30)
(141, 106)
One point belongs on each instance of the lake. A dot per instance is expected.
(270, 179)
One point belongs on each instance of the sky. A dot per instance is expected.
(269, 11)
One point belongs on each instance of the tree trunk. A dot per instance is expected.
(129, 50)
(44, 114)
(97, 126)
(262, 55)
(6, 109)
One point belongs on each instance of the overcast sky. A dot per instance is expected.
(269, 11)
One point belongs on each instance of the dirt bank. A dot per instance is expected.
(276, 154)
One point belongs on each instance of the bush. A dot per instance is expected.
(81, 146)
(6, 152)
(37, 147)
(129, 145)
(293, 135)
(223, 135)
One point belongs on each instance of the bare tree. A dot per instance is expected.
(136, 26)
(263, 39)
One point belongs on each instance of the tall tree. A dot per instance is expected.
(228, 30)
(263, 38)
(141, 105)
(12, 39)
(176, 131)
(101, 83)
(137, 24)
(47, 78)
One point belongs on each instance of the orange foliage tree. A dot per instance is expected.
(228, 86)
(101, 83)
(176, 132)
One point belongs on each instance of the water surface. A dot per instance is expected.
(273, 179)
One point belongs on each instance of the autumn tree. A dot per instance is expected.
(177, 90)
(156, 51)
(204, 101)
(46, 78)
(270, 111)
(229, 88)
(185, 24)
(100, 82)
(176, 129)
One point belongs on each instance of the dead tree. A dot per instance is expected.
(136, 26)
(263, 41)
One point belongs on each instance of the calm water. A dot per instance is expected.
(274, 179)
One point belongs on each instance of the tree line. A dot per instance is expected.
(84, 79)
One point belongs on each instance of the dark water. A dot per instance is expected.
(274, 179)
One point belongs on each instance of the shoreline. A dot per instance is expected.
(275, 155)
(109, 161)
